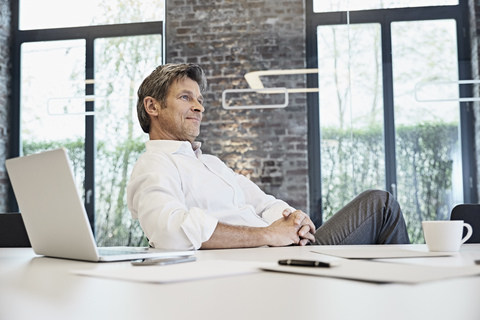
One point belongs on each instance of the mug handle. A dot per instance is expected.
(469, 232)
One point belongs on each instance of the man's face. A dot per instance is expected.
(180, 118)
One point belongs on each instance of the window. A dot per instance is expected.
(427, 141)
(120, 64)
(351, 116)
(77, 86)
(58, 14)
(389, 112)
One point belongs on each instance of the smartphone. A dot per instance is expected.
(163, 261)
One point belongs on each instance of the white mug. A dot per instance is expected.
(445, 235)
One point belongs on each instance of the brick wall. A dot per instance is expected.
(228, 39)
(4, 98)
(474, 33)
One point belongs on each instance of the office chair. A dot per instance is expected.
(470, 213)
(12, 231)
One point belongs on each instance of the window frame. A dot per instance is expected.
(384, 17)
(89, 34)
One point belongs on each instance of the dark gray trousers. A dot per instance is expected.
(373, 217)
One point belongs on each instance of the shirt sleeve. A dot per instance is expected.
(156, 199)
(266, 206)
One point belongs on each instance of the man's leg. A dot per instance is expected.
(373, 217)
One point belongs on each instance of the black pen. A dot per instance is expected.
(305, 263)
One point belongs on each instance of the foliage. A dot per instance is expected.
(425, 170)
(114, 224)
(353, 161)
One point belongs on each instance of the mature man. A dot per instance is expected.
(188, 200)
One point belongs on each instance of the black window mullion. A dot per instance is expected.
(14, 138)
(389, 112)
(102, 31)
(313, 114)
(90, 147)
(379, 15)
(467, 125)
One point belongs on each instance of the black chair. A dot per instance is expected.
(12, 231)
(470, 213)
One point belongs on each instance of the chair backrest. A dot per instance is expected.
(12, 231)
(470, 213)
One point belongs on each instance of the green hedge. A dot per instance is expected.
(353, 161)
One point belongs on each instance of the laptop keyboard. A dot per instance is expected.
(113, 251)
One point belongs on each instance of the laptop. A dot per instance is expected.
(54, 215)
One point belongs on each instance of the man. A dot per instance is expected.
(187, 200)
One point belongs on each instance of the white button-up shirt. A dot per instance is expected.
(179, 195)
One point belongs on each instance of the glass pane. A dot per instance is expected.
(53, 99)
(120, 66)
(351, 112)
(427, 132)
(349, 5)
(61, 14)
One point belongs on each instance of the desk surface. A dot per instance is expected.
(33, 287)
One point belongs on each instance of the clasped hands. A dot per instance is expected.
(294, 228)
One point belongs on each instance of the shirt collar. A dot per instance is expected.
(172, 146)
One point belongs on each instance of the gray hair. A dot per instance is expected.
(157, 84)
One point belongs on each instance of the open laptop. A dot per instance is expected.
(54, 215)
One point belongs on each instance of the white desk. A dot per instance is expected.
(33, 287)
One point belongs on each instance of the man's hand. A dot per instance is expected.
(294, 228)
(307, 228)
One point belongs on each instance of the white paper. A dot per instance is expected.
(377, 252)
(174, 272)
(380, 272)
